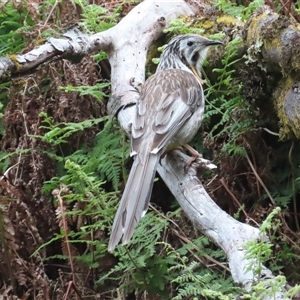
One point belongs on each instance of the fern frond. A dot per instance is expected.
(109, 153)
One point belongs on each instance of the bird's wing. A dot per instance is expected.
(168, 100)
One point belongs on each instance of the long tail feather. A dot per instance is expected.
(135, 199)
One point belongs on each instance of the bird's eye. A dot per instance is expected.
(190, 43)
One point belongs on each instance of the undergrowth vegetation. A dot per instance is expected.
(65, 163)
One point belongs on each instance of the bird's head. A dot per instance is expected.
(188, 51)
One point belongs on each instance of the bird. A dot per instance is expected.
(168, 114)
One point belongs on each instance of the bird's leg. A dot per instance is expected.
(167, 151)
(163, 156)
(195, 154)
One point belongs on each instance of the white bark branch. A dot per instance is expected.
(226, 232)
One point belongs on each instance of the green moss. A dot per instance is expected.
(13, 58)
(253, 29)
(229, 20)
(207, 24)
(290, 124)
(280, 41)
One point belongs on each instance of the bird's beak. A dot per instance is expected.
(213, 43)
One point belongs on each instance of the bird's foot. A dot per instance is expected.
(195, 155)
